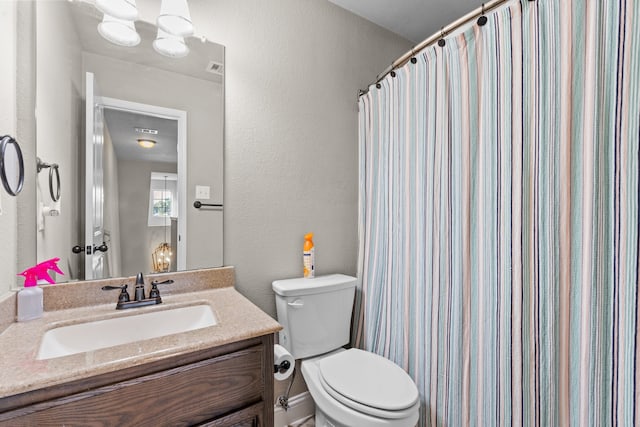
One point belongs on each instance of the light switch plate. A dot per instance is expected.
(203, 192)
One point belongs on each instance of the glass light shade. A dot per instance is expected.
(146, 143)
(170, 45)
(119, 31)
(161, 258)
(121, 9)
(175, 18)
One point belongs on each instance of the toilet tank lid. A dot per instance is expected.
(318, 285)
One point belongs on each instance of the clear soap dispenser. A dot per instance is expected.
(30, 303)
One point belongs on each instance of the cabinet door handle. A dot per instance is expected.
(296, 304)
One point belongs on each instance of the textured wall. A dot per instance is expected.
(8, 221)
(17, 92)
(293, 69)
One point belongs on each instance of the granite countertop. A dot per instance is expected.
(238, 319)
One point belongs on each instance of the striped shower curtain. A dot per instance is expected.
(499, 214)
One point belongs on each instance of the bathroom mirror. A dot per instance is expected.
(115, 186)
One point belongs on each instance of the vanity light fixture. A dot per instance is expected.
(119, 31)
(146, 143)
(122, 9)
(170, 45)
(174, 23)
(175, 18)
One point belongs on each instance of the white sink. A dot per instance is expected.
(98, 334)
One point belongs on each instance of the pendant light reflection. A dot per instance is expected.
(175, 18)
(170, 45)
(161, 256)
(119, 31)
(121, 9)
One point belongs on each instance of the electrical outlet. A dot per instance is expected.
(203, 192)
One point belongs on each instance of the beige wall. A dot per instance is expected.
(26, 132)
(8, 218)
(293, 69)
(17, 89)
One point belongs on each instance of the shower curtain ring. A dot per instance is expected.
(482, 20)
(442, 42)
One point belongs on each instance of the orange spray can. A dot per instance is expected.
(308, 257)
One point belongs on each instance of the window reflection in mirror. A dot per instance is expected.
(163, 198)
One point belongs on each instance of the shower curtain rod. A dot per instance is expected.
(482, 10)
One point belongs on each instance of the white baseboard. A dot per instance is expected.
(301, 407)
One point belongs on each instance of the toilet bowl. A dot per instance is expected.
(358, 388)
(350, 388)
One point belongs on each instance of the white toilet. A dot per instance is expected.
(352, 387)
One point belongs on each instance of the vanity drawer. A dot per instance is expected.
(186, 395)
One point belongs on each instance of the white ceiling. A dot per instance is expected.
(122, 124)
(415, 20)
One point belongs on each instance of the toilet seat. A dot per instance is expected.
(368, 383)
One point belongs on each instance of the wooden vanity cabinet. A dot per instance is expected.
(230, 385)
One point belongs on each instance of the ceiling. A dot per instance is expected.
(415, 20)
(122, 124)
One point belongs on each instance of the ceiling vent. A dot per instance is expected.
(147, 131)
(215, 68)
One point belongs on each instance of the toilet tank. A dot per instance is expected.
(315, 313)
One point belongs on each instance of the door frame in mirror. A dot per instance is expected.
(180, 116)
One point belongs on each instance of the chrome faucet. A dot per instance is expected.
(140, 300)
